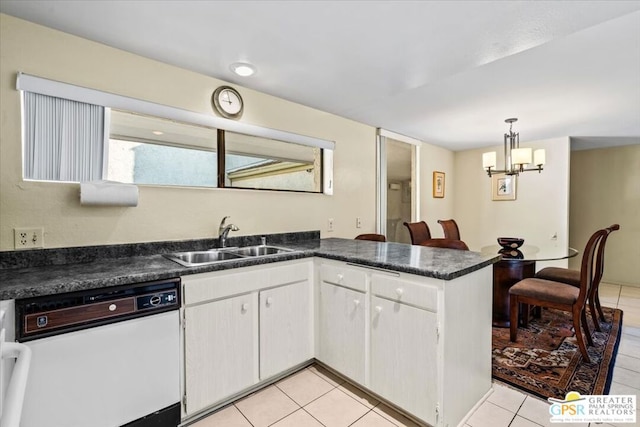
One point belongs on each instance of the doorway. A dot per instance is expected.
(397, 185)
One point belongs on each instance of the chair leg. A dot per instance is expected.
(581, 345)
(585, 326)
(513, 318)
(599, 307)
(592, 309)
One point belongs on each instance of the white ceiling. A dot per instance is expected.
(444, 72)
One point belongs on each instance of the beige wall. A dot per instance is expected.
(540, 210)
(166, 213)
(433, 158)
(605, 189)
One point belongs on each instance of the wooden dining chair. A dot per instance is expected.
(572, 277)
(371, 236)
(419, 231)
(445, 243)
(450, 229)
(558, 295)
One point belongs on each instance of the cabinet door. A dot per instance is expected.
(221, 352)
(404, 357)
(342, 330)
(286, 335)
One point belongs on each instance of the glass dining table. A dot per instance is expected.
(516, 264)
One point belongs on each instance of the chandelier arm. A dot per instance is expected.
(538, 169)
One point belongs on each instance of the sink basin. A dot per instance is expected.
(260, 250)
(192, 259)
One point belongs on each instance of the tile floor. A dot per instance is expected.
(313, 397)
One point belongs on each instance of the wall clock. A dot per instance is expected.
(227, 102)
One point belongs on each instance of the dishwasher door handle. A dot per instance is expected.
(12, 405)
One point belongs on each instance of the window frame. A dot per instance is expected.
(30, 83)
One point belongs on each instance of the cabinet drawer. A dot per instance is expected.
(395, 289)
(344, 276)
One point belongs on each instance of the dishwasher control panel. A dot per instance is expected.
(39, 317)
(162, 299)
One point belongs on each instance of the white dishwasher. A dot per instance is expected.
(103, 358)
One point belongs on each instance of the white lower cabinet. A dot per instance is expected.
(243, 326)
(404, 357)
(421, 343)
(342, 330)
(286, 335)
(221, 350)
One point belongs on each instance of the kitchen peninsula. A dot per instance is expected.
(397, 320)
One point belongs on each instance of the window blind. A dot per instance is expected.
(63, 139)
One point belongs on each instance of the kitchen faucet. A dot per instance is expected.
(223, 231)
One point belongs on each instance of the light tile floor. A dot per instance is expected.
(314, 397)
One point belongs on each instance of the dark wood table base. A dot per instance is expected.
(507, 273)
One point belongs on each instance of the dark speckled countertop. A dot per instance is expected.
(119, 269)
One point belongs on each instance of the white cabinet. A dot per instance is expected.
(408, 338)
(244, 326)
(404, 357)
(286, 335)
(221, 350)
(404, 337)
(342, 329)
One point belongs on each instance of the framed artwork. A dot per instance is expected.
(438, 184)
(503, 187)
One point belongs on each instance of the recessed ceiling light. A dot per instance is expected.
(157, 132)
(243, 69)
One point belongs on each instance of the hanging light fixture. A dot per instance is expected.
(514, 157)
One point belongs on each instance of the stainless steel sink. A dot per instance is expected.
(261, 250)
(196, 258)
(190, 259)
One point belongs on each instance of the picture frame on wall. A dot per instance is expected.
(438, 184)
(503, 187)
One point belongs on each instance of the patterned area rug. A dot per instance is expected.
(546, 360)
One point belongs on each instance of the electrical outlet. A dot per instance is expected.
(28, 238)
(358, 222)
(330, 224)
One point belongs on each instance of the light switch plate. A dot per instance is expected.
(28, 238)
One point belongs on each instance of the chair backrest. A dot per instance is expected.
(419, 231)
(450, 229)
(587, 272)
(445, 243)
(599, 270)
(372, 236)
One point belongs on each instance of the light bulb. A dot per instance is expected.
(243, 69)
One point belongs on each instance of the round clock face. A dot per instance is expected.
(227, 102)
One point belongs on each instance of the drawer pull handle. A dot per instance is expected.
(399, 291)
(340, 278)
(269, 301)
(356, 302)
(245, 307)
(378, 309)
(113, 307)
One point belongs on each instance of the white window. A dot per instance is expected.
(149, 150)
